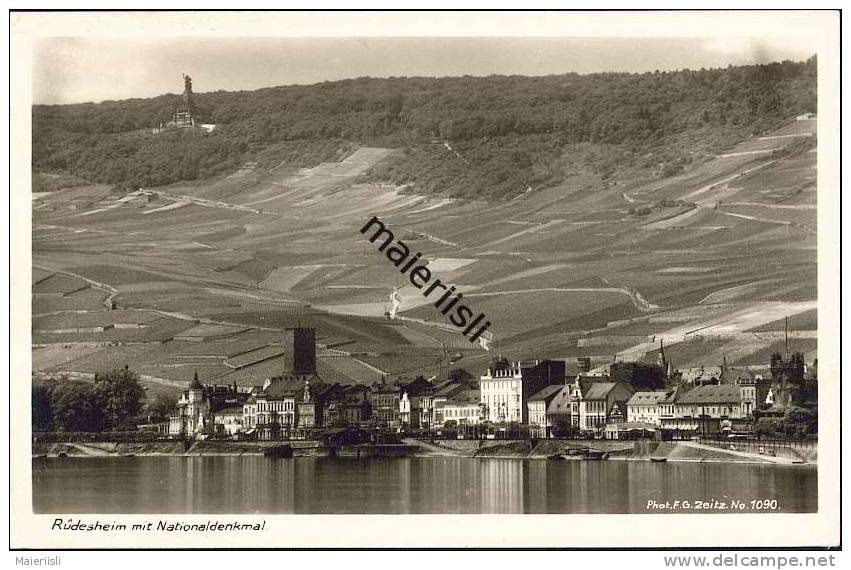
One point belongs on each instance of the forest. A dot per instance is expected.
(489, 138)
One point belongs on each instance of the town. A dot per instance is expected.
(730, 406)
(438, 295)
(518, 400)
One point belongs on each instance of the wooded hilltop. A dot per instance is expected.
(489, 138)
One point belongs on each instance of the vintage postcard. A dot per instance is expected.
(541, 279)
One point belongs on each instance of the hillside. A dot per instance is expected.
(487, 138)
(205, 274)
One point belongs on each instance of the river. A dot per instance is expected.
(255, 484)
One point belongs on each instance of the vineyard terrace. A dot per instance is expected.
(420, 276)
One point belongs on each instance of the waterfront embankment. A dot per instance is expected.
(641, 450)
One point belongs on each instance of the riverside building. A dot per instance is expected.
(506, 386)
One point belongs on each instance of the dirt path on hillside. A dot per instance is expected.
(173, 314)
(719, 183)
(208, 204)
(738, 319)
(637, 299)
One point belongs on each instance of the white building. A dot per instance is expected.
(598, 402)
(644, 406)
(539, 423)
(193, 411)
(463, 412)
(228, 420)
(506, 387)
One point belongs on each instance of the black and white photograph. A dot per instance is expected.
(440, 273)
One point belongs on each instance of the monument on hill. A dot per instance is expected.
(183, 113)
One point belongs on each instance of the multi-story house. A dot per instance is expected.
(722, 401)
(228, 421)
(753, 389)
(644, 406)
(270, 412)
(708, 409)
(667, 404)
(193, 411)
(198, 405)
(416, 403)
(559, 411)
(384, 400)
(287, 407)
(355, 407)
(540, 425)
(505, 387)
(597, 402)
(463, 411)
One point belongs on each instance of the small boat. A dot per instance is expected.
(279, 452)
(594, 455)
(62, 454)
(659, 459)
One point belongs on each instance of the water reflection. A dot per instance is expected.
(396, 486)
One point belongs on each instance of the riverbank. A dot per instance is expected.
(641, 450)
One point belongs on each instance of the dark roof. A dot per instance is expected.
(673, 395)
(417, 387)
(229, 410)
(289, 386)
(449, 389)
(647, 398)
(598, 390)
(546, 394)
(712, 394)
(560, 404)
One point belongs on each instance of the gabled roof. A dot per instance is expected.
(673, 395)
(712, 394)
(598, 390)
(449, 389)
(546, 394)
(290, 386)
(648, 398)
(560, 404)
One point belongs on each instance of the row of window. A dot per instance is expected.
(276, 406)
(594, 421)
(461, 412)
(501, 399)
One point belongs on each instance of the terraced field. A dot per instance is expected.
(197, 274)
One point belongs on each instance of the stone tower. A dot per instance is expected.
(304, 350)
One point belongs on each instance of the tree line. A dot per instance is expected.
(511, 132)
(115, 401)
